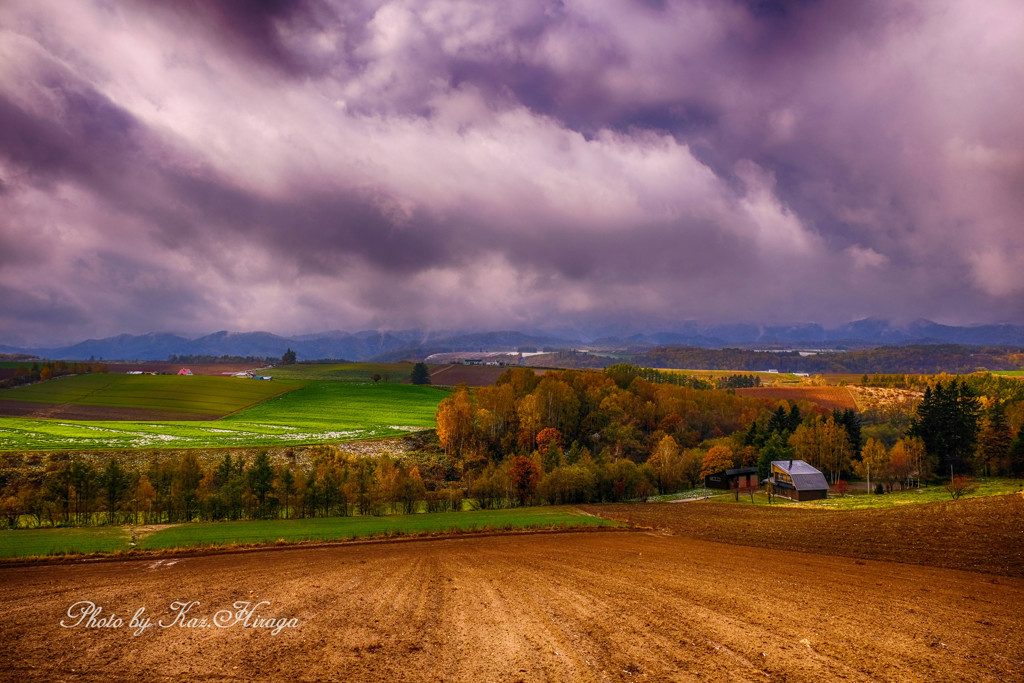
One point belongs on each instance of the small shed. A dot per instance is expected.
(736, 478)
(797, 480)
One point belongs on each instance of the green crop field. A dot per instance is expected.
(344, 372)
(188, 394)
(1009, 373)
(28, 542)
(317, 412)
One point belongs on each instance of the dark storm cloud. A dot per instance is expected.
(297, 166)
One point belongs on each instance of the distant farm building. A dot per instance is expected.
(797, 480)
(184, 371)
(738, 478)
(474, 361)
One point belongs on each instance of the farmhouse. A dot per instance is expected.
(738, 478)
(184, 371)
(797, 480)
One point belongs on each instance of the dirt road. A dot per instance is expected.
(568, 607)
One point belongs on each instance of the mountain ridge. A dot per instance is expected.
(414, 344)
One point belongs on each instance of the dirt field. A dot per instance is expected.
(470, 375)
(568, 607)
(831, 398)
(66, 411)
(976, 534)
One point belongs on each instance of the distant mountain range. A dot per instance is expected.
(417, 344)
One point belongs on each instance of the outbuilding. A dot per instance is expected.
(797, 480)
(737, 478)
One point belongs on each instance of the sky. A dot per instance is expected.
(191, 166)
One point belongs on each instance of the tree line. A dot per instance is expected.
(566, 437)
(914, 359)
(42, 371)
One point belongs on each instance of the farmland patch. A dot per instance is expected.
(977, 534)
(319, 412)
(572, 607)
(199, 395)
(830, 398)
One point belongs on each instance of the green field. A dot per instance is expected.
(23, 543)
(394, 373)
(29, 542)
(318, 412)
(1009, 373)
(198, 394)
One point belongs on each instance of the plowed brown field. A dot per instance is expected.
(571, 607)
(68, 411)
(975, 534)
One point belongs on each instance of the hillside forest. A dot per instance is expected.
(569, 436)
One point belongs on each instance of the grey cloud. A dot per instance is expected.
(321, 183)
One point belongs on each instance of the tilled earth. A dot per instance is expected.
(561, 607)
(975, 534)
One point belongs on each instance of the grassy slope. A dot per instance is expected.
(326, 405)
(194, 394)
(316, 413)
(27, 542)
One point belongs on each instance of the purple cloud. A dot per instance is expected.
(191, 166)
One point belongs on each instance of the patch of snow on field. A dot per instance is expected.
(405, 428)
(317, 436)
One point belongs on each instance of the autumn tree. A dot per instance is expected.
(455, 421)
(908, 461)
(717, 459)
(874, 459)
(523, 476)
(666, 464)
(960, 486)
(824, 445)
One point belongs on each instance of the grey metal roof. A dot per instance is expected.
(742, 470)
(805, 477)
